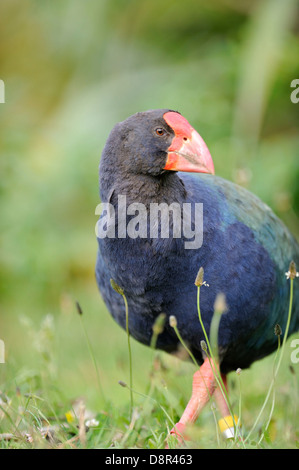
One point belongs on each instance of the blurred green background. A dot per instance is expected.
(72, 69)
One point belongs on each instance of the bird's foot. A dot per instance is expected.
(178, 431)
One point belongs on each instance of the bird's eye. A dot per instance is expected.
(160, 131)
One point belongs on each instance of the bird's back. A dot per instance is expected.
(258, 251)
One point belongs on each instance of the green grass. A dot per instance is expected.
(56, 390)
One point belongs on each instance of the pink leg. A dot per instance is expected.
(203, 388)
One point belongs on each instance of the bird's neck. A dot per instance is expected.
(166, 188)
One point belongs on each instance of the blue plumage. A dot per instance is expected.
(245, 253)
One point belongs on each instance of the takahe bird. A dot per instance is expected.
(244, 249)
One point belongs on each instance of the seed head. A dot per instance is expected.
(199, 278)
(122, 384)
(292, 273)
(116, 287)
(292, 269)
(158, 326)
(172, 321)
(79, 309)
(220, 305)
(238, 371)
(203, 345)
(277, 330)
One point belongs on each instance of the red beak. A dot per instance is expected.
(188, 151)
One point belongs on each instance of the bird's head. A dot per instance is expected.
(155, 142)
